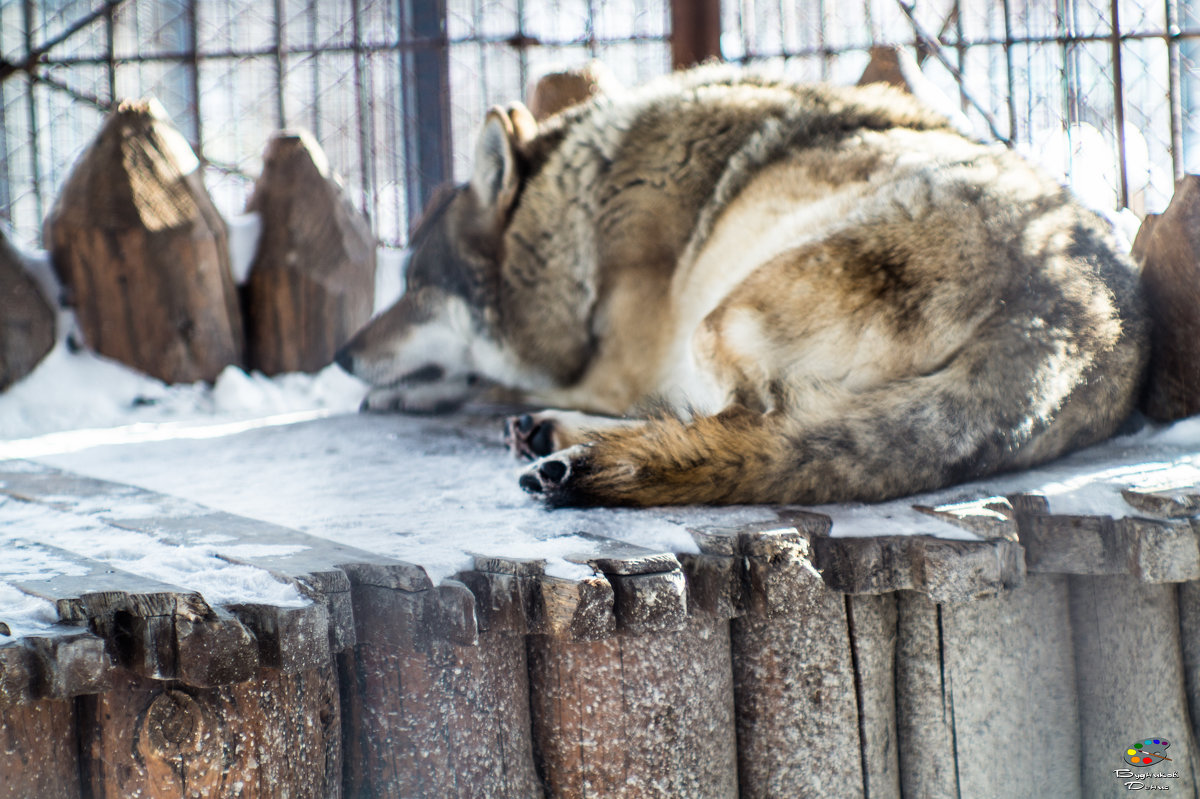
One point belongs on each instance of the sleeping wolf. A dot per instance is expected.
(747, 291)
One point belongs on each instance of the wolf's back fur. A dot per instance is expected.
(837, 295)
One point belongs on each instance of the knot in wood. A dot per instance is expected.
(173, 723)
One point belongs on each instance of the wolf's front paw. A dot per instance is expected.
(529, 436)
(553, 478)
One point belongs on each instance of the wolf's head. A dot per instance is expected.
(440, 344)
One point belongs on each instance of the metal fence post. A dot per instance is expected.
(425, 79)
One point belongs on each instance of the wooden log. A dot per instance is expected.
(69, 662)
(1169, 252)
(58, 663)
(635, 716)
(925, 733)
(885, 66)
(1124, 630)
(581, 610)
(1008, 674)
(27, 320)
(944, 570)
(38, 753)
(695, 32)
(275, 735)
(649, 590)
(1189, 640)
(446, 721)
(795, 687)
(558, 91)
(873, 633)
(154, 628)
(142, 252)
(312, 282)
(1152, 551)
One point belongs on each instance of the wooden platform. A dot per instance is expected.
(766, 659)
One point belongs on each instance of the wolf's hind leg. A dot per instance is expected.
(535, 435)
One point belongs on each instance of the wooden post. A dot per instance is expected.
(634, 716)
(312, 283)
(797, 710)
(695, 32)
(1123, 630)
(1168, 247)
(38, 754)
(27, 324)
(438, 720)
(143, 254)
(873, 634)
(274, 735)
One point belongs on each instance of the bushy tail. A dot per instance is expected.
(910, 436)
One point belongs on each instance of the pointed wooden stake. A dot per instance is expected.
(142, 251)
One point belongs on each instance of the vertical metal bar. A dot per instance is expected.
(315, 67)
(31, 99)
(1065, 86)
(1119, 103)
(821, 40)
(1174, 88)
(522, 57)
(961, 48)
(277, 57)
(363, 105)
(110, 47)
(1008, 65)
(427, 111)
(193, 60)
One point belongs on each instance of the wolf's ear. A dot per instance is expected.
(497, 177)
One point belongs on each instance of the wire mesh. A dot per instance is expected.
(1102, 90)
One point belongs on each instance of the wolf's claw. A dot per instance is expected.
(528, 437)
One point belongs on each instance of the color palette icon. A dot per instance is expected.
(1146, 752)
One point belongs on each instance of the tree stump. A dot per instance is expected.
(26, 318)
(312, 282)
(1168, 248)
(142, 251)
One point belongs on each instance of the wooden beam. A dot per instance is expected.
(695, 32)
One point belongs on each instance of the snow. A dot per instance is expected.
(194, 566)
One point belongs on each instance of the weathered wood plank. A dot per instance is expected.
(155, 629)
(1124, 631)
(142, 251)
(275, 735)
(944, 570)
(581, 610)
(289, 639)
(69, 663)
(446, 721)
(635, 716)
(1008, 674)
(38, 753)
(714, 584)
(1153, 551)
(924, 729)
(27, 321)
(312, 283)
(795, 687)
(873, 633)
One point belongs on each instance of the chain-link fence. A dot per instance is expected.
(393, 89)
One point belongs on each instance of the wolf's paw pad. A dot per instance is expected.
(528, 436)
(550, 478)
